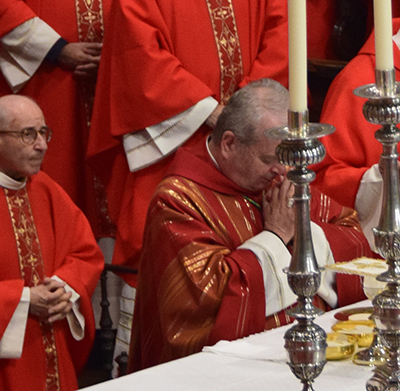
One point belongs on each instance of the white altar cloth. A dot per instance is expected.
(255, 363)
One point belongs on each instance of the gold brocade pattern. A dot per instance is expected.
(227, 40)
(90, 20)
(89, 15)
(204, 265)
(196, 197)
(325, 203)
(32, 270)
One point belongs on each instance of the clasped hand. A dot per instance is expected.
(49, 300)
(82, 58)
(278, 212)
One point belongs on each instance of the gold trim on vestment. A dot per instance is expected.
(90, 23)
(32, 270)
(223, 20)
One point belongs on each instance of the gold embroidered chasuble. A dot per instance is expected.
(197, 286)
(32, 270)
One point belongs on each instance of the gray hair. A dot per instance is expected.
(247, 106)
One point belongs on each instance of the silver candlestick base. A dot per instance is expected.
(305, 342)
(383, 107)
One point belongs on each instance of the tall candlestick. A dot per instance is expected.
(297, 55)
(383, 34)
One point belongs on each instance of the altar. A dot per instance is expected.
(255, 363)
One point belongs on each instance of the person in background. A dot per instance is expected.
(219, 233)
(350, 172)
(52, 53)
(165, 84)
(50, 262)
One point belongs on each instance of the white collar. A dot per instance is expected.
(10, 183)
(209, 152)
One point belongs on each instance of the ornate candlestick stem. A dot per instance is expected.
(305, 341)
(383, 107)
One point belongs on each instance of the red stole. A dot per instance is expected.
(32, 270)
(227, 40)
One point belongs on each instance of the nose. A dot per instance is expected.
(279, 168)
(40, 143)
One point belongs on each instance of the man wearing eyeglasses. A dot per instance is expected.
(49, 259)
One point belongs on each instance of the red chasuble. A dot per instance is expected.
(48, 236)
(195, 287)
(159, 59)
(352, 148)
(65, 100)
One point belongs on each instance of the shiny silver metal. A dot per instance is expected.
(305, 342)
(383, 107)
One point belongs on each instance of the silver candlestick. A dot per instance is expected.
(383, 108)
(305, 342)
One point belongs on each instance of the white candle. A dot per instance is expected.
(383, 34)
(297, 55)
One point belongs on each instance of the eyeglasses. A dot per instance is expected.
(29, 135)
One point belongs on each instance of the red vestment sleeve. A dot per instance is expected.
(144, 66)
(12, 14)
(346, 240)
(10, 293)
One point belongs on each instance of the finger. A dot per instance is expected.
(268, 195)
(93, 45)
(286, 185)
(54, 285)
(92, 52)
(47, 280)
(265, 203)
(57, 296)
(61, 314)
(65, 296)
(86, 67)
(58, 308)
(275, 194)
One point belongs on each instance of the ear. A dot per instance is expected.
(228, 144)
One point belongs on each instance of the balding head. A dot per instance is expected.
(11, 107)
(238, 143)
(19, 159)
(252, 109)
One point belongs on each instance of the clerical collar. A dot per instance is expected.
(10, 183)
(217, 165)
(209, 152)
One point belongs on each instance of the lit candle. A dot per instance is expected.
(383, 34)
(297, 55)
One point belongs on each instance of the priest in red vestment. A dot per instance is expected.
(167, 69)
(350, 171)
(215, 245)
(50, 51)
(50, 262)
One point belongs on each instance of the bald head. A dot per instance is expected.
(18, 115)
(12, 106)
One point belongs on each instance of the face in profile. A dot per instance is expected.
(17, 158)
(256, 165)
